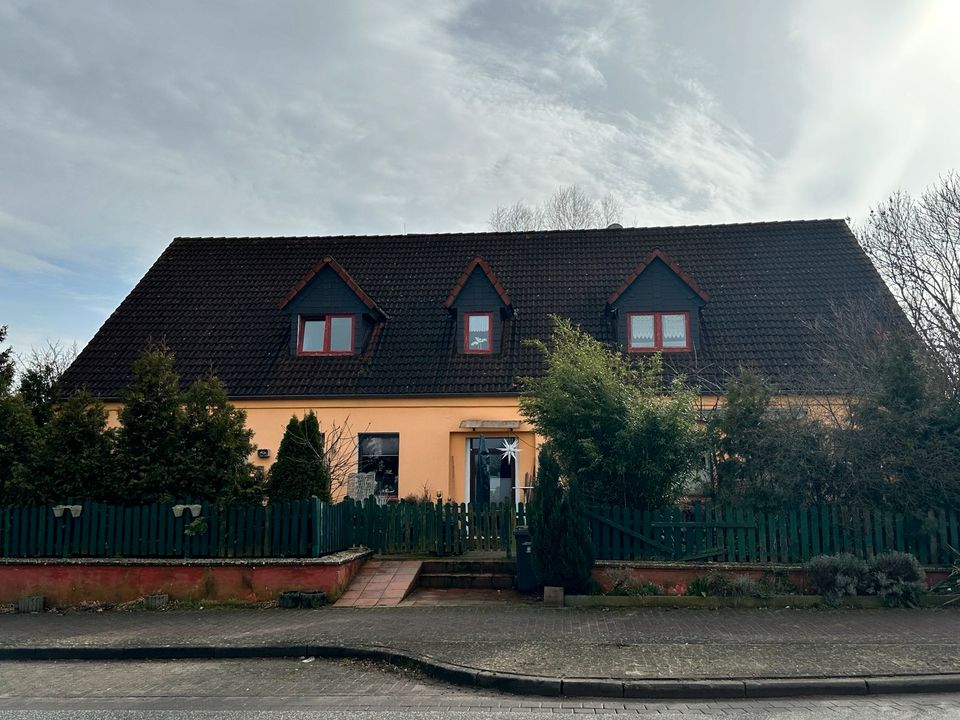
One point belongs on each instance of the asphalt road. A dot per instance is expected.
(280, 689)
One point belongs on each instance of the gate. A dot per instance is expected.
(436, 529)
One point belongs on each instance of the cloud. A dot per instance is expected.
(882, 95)
(123, 125)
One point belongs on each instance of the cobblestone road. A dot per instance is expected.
(648, 643)
(273, 685)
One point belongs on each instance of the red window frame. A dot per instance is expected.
(658, 332)
(466, 333)
(326, 334)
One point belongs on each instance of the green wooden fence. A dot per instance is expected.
(309, 528)
(439, 529)
(709, 532)
(304, 528)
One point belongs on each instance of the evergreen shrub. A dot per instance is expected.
(559, 533)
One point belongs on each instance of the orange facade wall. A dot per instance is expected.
(433, 445)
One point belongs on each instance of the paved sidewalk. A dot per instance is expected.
(628, 644)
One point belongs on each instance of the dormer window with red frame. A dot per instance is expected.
(478, 333)
(325, 335)
(652, 331)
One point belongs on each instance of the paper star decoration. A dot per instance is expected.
(510, 450)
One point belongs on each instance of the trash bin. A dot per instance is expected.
(526, 578)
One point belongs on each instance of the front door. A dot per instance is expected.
(502, 465)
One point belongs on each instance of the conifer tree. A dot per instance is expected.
(300, 469)
(76, 454)
(150, 450)
(18, 449)
(560, 535)
(217, 447)
(18, 432)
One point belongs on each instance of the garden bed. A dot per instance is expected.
(775, 601)
(671, 574)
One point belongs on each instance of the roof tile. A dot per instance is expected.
(214, 302)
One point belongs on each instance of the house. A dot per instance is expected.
(413, 344)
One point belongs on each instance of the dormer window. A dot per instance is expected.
(652, 309)
(479, 309)
(478, 332)
(326, 335)
(649, 332)
(329, 313)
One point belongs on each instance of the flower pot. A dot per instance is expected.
(289, 599)
(310, 600)
(156, 601)
(31, 604)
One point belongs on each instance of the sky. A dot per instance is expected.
(126, 123)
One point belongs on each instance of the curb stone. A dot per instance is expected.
(676, 689)
(592, 687)
(520, 684)
(515, 683)
(782, 687)
(916, 684)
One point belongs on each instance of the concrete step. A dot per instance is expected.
(451, 567)
(492, 581)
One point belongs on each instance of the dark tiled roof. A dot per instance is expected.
(214, 301)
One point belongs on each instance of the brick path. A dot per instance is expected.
(634, 643)
(381, 583)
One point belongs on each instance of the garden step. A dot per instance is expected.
(497, 581)
(504, 567)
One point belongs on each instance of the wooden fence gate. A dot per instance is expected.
(439, 529)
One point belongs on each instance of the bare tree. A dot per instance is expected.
(570, 208)
(915, 244)
(516, 218)
(53, 356)
(341, 455)
(40, 371)
(610, 210)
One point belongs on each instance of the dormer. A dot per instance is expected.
(479, 305)
(330, 314)
(657, 307)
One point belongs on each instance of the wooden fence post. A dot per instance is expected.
(316, 544)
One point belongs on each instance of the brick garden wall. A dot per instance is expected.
(70, 582)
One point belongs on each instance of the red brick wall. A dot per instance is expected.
(66, 584)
